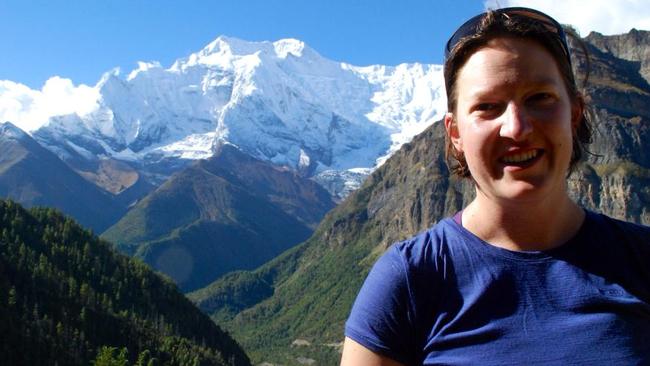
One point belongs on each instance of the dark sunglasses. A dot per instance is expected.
(470, 27)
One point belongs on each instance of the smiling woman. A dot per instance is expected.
(522, 275)
(514, 123)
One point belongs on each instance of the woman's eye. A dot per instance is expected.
(541, 97)
(486, 107)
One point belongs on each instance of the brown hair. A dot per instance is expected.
(492, 25)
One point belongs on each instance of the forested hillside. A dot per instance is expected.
(66, 297)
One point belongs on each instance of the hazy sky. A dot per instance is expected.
(81, 39)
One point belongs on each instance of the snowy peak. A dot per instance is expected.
(286, 47)
(8, 129)
(278, 101)
(142, 67)
(226, 52)
(224, 45)
(229, 46)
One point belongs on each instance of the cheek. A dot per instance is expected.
(563, 133)
(477, 144)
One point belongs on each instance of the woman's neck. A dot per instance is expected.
(541, 225)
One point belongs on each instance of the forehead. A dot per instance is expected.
(506, 62)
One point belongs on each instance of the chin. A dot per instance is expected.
(526, 191)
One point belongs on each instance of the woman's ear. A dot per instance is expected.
(577, 112)
(452, 132)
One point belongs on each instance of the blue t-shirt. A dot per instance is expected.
(445, 297)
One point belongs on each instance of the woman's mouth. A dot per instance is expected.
(522, 158)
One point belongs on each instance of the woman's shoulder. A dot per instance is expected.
(604, 224)
(618, 238)
(429, 246)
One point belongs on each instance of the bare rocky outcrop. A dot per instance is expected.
(632, 46)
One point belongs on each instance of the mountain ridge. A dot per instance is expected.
(36, 177)
(229, 212)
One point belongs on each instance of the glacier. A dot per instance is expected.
(278, 101)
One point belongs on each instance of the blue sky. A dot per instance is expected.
(81, 39)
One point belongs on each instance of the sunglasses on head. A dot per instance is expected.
(470, 27)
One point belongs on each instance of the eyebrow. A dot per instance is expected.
(544, 81)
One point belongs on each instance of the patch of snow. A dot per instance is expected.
(80, 150)
(285, 47)
(9, 130)
(341, 183)
(303, 159)
(192, 147)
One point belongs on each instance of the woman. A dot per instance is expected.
(522, 275)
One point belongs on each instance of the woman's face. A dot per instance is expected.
(514, 121)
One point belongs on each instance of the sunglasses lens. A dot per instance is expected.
(524, 14)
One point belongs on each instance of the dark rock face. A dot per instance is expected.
(314, 285)
(633, 46)
(615, 179)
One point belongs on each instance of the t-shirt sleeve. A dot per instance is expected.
(380, 319)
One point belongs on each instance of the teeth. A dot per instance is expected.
(518, 158)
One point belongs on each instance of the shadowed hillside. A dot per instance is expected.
(34, 176)
(229, 212)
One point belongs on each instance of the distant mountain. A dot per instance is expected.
(279, 102)
(34, 176)
(291, 310)
(65, 296)
(229, 212)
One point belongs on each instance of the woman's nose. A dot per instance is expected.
(516, 124)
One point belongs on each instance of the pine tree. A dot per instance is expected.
(109, 356)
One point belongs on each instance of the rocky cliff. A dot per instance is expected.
(615, 177)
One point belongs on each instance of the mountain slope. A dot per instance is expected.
(34, 176)
(226, 213)
(65, 294)
(303, 297)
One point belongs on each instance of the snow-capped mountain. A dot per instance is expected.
(277, 101)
